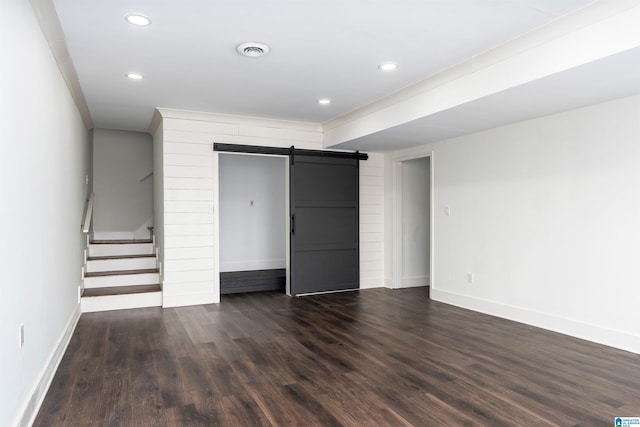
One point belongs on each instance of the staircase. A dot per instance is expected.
(120, 274)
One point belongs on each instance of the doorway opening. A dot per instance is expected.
(253, 207)
(320, 216)
(413, 221)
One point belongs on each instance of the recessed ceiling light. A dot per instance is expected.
(253, 49)
(388, 66)
(324, 101)
(135, 76)
(139, 20)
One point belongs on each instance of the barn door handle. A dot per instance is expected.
(293, 224)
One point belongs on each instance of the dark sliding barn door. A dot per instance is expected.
(324, 224)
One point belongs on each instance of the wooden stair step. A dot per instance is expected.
(120, 290)
(121, 272)
(120, 242)
(99, 258)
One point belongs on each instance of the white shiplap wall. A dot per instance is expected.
(190, 177)
(188, 269)
(372, 222)
(158, 192)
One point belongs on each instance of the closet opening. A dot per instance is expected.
(287, 220)
(253, 223)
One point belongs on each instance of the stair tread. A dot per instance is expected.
(121, 272)
(121, 290)
(106, 257)
(120, 242)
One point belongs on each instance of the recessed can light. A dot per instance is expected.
(388, 66)
(139, 20)
(324, 101)
(135, 76)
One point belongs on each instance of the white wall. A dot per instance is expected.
(191, 223)
(123, 204)
(372, 221)
(389, 196)
(191, 267)
(415, 222)
(252, 212)
(545, 214)
(158, 196)
(43, 163)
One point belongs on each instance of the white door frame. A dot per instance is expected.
(397, 237)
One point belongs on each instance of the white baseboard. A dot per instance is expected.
(114, 235)
(270, 264)
(407, 282)
(412, 282)
(594, 333)
(371, 283)
(181, 300)
(31, 407)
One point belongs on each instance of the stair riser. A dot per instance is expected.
(121, 302)
(120, 264)
(121, 249)
(121, 280)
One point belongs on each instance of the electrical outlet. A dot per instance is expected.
(447, 211)
(470, 278)
(21, 336)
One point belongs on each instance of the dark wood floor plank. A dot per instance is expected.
(117, 394)
(377, 357)
(269, 400)
(87, 405)
(55, 408)
(245, 411)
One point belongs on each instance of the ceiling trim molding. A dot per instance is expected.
(607, 26)
(50, 24)
(236, 119)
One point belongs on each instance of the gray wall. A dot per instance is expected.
(415, 222)
(123, 204)
(252, 237)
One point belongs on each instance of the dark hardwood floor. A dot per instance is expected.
(370, 358)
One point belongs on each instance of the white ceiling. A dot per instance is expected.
(614, 77)
(326, 48)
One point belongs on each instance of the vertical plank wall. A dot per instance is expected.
(372, 221)
(190, 273)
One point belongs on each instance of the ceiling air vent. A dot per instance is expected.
(253, 49)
